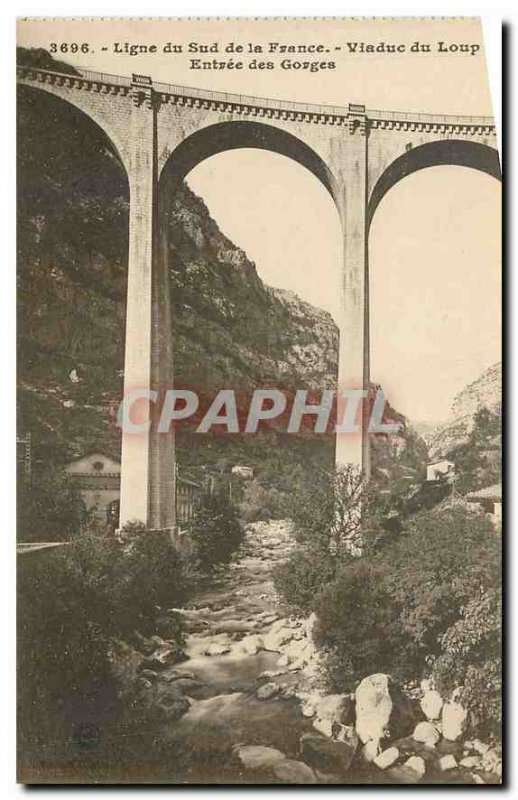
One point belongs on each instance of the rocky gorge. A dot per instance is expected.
(248, 702)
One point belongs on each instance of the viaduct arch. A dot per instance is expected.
(161, 131)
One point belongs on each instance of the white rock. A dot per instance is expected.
(417, 764)
(331, 706)
(274, 641)
(470, 762)
(478, 778)
(387, 758)
(266, 691)
(431, 704)
(447, 762)
(426, 732)
(251, 644)
(324, 726)
(480, 747)
(370, 750)
(217, 648)
(454, 721)
(308, 710)
(256, 756)
(382, 709)
(282, 661)
(297, 648)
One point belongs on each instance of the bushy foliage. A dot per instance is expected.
(333, 518)
(396, 608)
(471, 660)
(477, 461)
(215, 530)
(259, 503)
(74, 602)
(302, 577)
(49, 509)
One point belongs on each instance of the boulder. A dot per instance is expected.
(218, 648)
(470, 762)
(386, 758)
(324, 726)
(267, 690)
(299, 648)
(426, 732)
(370, 750)
(293, 772)
(258, 757)
(336, 707)
(431, 704)
(382, 709)
(327, 755)
(252, 644)
(417, 764)
(447, 762)
(274, 640)
(454, 721)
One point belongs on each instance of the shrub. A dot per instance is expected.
(49, 509)
(215, 531)
(471, 660)
(332, 519)
(74, 603)
(259, 503)
(326, 516)
(303, 576)
(391, 608)
(151, 575)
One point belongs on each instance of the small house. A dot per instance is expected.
(442, 470)
(243, 472)
(489, 500)
(96, 476)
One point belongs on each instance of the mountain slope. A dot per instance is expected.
(483, 393)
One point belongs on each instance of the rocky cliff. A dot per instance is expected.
(483, 393)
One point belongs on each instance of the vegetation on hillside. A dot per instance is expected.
(421, 596)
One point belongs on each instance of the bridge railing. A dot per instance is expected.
(318, 109)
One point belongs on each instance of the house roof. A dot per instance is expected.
(488, 493)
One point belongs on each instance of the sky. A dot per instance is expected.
(435, 286)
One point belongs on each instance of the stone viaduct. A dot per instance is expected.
(160, 132)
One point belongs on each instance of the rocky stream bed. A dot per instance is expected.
(248, 704)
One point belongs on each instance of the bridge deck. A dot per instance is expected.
(230, 99)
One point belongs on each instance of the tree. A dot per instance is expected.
(215, 530)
